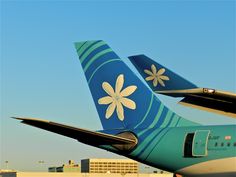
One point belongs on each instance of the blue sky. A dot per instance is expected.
(41, 75)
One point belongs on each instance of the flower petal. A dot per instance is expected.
(154, 69)
(148, 72)
(161, 82)
(149, 78)
(105, 100)
(161, 71)
(120, 111)
(128, 91)
(110, 110)
(165, 78)
(108, 88)
(119, 83)
(155, 82)
(128, 103)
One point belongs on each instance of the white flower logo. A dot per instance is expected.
(116, 99)
(156, 76)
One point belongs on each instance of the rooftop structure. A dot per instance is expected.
(70, 167)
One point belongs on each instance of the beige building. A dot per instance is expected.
(120, 166)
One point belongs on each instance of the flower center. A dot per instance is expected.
(116, 97)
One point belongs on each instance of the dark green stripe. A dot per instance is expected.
(81, 46)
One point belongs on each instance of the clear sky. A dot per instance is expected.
(41, 75)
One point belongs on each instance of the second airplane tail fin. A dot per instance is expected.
(158, 77)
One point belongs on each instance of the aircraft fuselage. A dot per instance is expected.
(200, 150)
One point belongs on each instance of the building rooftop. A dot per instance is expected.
(110, 160)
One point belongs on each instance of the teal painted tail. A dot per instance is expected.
(121, 98)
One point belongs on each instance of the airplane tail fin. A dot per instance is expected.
(122, 100)
(158, 77)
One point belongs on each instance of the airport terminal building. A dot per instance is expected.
(121, 166)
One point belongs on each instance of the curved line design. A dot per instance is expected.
(148, 110)
(90, 49)
(85, 47)
(95, 57)
(89, 80)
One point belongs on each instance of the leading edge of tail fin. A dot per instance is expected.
(122, 100)
(158, 77)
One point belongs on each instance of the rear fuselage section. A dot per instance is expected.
(186, 150)
(174, 149)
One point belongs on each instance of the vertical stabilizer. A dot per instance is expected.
(121, 98)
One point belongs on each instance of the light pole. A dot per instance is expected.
(7, 164)
(41, 162)
(123, 174)
(147, 168)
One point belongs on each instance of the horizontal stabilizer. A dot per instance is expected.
(206, 99)
(82, 135)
